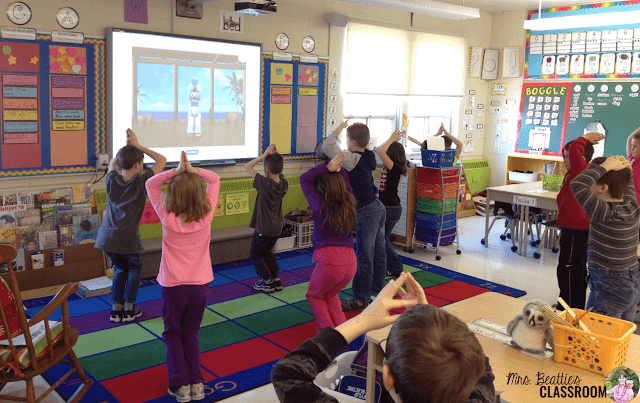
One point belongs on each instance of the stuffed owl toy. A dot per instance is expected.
(532, 330)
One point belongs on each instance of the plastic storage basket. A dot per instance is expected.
(437, 187)
(303, 232)
(437, 159)
(435, 206)
(552, 182)
(604, 348)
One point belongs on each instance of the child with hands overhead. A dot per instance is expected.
(119, 233)
(574, 223)
(605, 192)
(185, 210)
(329, 193)
(431, 356)
(448, 141)
(395, 165)
(267, 218)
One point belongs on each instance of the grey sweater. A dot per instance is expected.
(613, 236)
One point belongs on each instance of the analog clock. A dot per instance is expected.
(67, 18)
(308, 44)
(18, 13)
(282, 41)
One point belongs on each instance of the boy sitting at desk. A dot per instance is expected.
(606, 193)
(431, 356)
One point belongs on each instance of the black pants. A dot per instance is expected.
(572, 267)
(262, 255)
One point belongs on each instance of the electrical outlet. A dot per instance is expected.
(102, 161)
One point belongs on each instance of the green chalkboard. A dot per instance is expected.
(615, 104)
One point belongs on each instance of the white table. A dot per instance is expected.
(524, 196)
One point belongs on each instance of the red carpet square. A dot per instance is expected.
(121, 387)
(292, 337)
(241, 356)
(454, 291)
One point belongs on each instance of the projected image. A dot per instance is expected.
(188, 98)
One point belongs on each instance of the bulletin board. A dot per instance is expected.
(574, 56)
(613, 104)
(293, 106)
(52, 106)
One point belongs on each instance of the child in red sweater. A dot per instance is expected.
(572, 262)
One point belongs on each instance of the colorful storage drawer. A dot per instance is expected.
(434, 239)
(431, 173)
(436, 195)
(435, 224)
(434, 217)
(435, 206)
(437, 187)
(425, 232)
(437, 159)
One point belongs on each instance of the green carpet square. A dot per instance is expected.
(125, 360)
(222, 334)
(111, 339)
(304, 305)
(244, 306)
(275, 319)
(427, 279)
(410, 269)
(293, 293)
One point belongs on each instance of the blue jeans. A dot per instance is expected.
(614, 293)
(126, 280)
(370, 251)
(394, 264)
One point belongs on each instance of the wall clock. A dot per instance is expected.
(308, 44)
(282, 41)
(67, 18)
(18, 13)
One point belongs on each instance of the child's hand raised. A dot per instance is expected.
(344, 124)
(594, 137)
(182, 165)
(335, 164)
(132, 140)
(414, 291)
(616, 163)
(397, 135)
(377, 315)
(187, 164)
(270, 150)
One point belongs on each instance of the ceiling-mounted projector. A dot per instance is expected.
(256, 7)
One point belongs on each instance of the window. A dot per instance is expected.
(391, 72)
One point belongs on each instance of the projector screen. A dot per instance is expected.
(184, 93)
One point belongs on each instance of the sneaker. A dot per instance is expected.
(277, 284)
(130, 316)
(183, 394)
(352, 304)
(116, 317)
(197, 391)
(264, 286)
(389, 273)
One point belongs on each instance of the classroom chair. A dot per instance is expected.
(550, 236)
(46, 345)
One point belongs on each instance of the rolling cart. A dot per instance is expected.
(437, 201)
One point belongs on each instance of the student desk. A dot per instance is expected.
(503, 359)
(524, 196)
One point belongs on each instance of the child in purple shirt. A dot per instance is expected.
(330, 197)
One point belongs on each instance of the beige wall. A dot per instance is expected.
(297, 18)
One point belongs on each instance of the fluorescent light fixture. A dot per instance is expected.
(427, 7)
(583, 21)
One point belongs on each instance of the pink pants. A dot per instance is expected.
(335, 268)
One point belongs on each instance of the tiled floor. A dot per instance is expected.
(496, 263)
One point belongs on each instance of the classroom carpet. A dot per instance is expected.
(243, 333)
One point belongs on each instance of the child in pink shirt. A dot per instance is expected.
(186, 211)
(633, 151)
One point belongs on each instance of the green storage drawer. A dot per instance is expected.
(478, 174)
(435, 207)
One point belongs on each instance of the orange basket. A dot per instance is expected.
(604, 348)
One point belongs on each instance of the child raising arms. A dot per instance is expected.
(395, 165)
(330, 197)
(185, 209)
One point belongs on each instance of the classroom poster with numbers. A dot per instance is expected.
(294, 106)
(600, 52)
(52, 106)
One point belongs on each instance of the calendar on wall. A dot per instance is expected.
(609, 52)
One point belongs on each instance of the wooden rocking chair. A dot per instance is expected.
(14, 369)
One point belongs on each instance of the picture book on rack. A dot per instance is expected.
(29, 217)
(82, 193)
(65, 235)
(48, 239)
(63, 215)
(29, 238)
(85, 228)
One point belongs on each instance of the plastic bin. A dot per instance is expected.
(552, 182)
(434, 239)
(435, 173)
(435, 206)
(434, 217)
(478, 173)
(435, 224)
(523, 177)
(436, 195)
(437, 159)
(286, 243)
(437, 187)
(303, 232)
(422, 231)
(328, 379)
(604, 348)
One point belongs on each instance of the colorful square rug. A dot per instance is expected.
(244, 332)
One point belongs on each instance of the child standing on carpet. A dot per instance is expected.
(267, 218)
(119, 234)
(329, 193)
(186, 211)
(395, 165)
